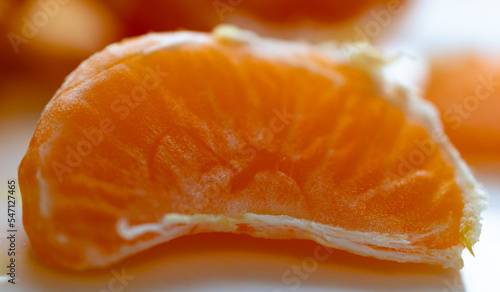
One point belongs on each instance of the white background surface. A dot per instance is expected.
(240, 263)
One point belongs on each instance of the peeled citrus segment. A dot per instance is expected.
(179, 133)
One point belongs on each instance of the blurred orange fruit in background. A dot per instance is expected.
(466, 89)
(44, 40)
(203, 15)
(45, 32)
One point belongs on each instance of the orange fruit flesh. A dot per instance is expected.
(466, 90)
(223, 131)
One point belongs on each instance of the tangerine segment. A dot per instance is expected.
(181, 133)
(466, 89)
